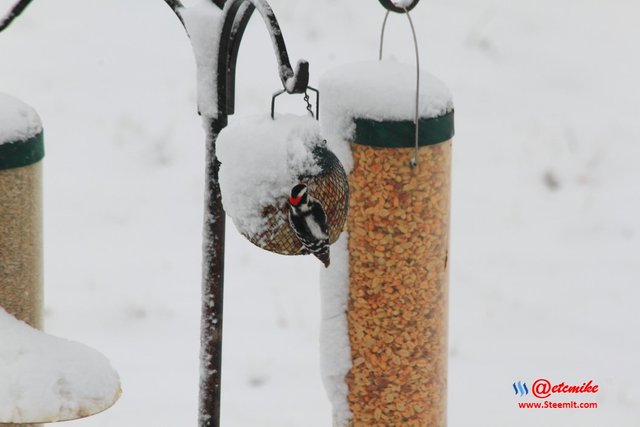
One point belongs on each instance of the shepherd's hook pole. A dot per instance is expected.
(235, 17)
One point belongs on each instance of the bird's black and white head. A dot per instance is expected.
(298, 196)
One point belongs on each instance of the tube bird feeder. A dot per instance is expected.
(398, 227)
(42, 378)
(21, 152)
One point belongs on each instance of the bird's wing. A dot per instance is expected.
(321, 217)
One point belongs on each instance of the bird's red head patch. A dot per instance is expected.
(295, 200)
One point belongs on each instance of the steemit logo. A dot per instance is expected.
(520, 388)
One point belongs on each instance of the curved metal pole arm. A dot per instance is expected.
(176, 6)
(236, 15)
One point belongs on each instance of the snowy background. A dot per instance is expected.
(546, 208)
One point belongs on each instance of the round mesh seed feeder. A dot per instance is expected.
(329, 186)
(262, 159)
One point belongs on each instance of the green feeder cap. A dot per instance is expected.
(375, 103)
(21, 137)
(401, 134)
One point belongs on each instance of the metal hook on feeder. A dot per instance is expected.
(390, 7)
(306, 99)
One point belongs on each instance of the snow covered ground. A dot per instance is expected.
(545, 236)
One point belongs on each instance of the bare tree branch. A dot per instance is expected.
(18, 8)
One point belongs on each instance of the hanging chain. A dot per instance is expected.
(309, 106)
(306, 100)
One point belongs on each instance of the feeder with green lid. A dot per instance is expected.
(42, 378)
(21, 152)
(374, 103)
(21, 142)
(398, 243)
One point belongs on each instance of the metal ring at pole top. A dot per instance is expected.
(388, 4)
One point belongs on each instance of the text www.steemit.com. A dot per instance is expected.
(547, 404)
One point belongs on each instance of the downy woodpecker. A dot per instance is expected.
(309, 222)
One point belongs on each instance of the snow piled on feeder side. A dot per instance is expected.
(203, 22)
(335, 350)
(261, 160)
(18, 121)
(376, 90)
(46, 379)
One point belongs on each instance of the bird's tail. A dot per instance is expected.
(323, 255)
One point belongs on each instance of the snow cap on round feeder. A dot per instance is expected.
(261, 161)
(21, 141)
(373, 103)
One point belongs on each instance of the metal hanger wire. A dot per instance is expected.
(414, 161)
